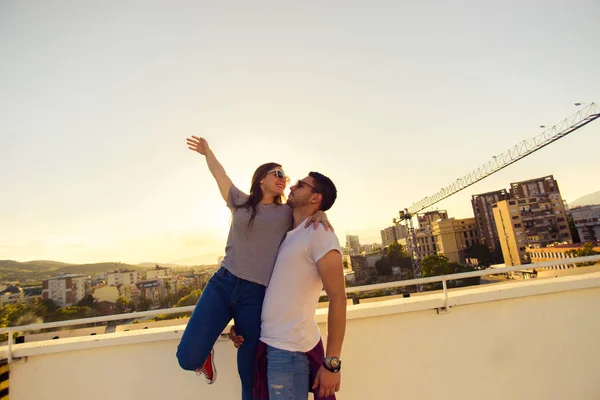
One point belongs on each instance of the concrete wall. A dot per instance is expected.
(534, 340)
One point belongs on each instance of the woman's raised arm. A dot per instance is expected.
(200, 145)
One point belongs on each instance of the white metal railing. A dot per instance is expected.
(357, 289)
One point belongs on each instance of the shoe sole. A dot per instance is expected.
(214, 369)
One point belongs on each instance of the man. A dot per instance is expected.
(308, 260)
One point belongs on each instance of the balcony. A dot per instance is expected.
(533, 339)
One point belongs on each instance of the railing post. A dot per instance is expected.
(445, 295)
(10, 342)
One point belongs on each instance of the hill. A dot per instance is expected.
(588, 199)
(31, 272)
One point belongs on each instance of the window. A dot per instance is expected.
(562, 227)
(561, 219)
(522, 201)
(517, 225)
(511, 203)
(515, 217)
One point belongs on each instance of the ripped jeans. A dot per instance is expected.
(288, 374)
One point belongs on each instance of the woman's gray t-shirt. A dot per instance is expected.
(252, 249)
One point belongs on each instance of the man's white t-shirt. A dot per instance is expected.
(288, 313)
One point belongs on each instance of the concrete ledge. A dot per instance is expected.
(457, 298)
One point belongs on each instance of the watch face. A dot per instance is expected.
(334, 362)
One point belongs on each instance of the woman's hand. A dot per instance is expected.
(198, 144)
(319, 218)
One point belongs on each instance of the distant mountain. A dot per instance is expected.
(32, 265)
(588, 199)
(97, 268)
(37, 271)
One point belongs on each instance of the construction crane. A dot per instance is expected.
(570, 124)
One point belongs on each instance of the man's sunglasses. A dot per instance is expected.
(301, 184)
(279, 174)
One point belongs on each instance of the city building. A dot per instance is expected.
(587, 222)
(392, 234)
(364, 266)
(425, 239)
(557, 252)
(346, 255)
(157, 272)
(353, 243)
(108, 294)
(125, 277)
(64, 290)
(130, 292)
(150, 289)
(483, 210)
(454, 236)
(32, 293)
(534, 217)
(12, 295)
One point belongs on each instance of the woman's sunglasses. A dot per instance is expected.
(279, 174)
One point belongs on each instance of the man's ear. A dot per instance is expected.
(316, 198)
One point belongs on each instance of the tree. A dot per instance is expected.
(383, 267)
(88, 301)
(482, 253)
(71, 312)
(435, 265)
(573, 229)
(586, 250)
(143, 304)
(122, 305)
(189, 300)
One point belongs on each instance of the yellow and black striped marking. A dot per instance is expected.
(4, 374)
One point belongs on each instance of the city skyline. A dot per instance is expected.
(392, 101)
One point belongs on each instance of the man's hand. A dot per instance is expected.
(237, 340)
(328, 382)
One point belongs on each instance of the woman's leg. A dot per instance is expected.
(209, 319)
(246, 314)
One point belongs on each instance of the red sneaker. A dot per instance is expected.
(208, 369)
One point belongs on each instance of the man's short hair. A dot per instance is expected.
(327, 189)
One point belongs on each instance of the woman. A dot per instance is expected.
(260, 221)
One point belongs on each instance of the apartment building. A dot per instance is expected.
(587, 222)
(123, 278)
(424, 234)
(64, 290)
(484, 215)
(534, 217)
(454, 236)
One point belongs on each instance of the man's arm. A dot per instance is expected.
(331, 269)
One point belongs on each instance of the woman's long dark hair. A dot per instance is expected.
(256, 193)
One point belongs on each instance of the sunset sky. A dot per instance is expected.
(391, 99)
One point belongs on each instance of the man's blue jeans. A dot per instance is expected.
(225, 297)
(288, 374)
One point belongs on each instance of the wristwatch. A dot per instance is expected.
(332, 364)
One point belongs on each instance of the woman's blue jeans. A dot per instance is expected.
(288, 374)
(225, 297)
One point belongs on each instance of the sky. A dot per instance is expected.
(391, 99)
